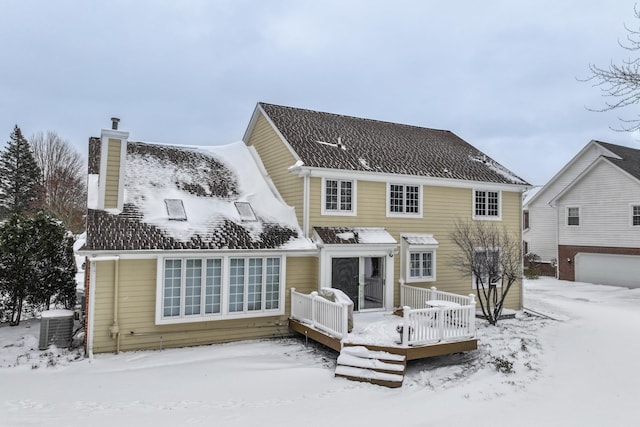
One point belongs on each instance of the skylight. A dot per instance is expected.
(175, 209)
(245, 211)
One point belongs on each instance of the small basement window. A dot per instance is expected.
(246, 211)
(175, 209)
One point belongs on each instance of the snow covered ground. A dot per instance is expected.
(580, 369)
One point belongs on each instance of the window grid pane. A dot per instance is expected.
(213, 286)
(636, 215)
(272, 296)
(481, 200)
(414, 264)
(331, 195)
(193, 287)
(427, 264)
(254, 284)
(396, 198)
(412, 198)
(236, 285)
(345, 195)
(172, 282)
(492, 203)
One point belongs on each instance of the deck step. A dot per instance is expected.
(358, 363)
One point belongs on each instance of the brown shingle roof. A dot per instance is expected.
(326, 140)
(152, 171)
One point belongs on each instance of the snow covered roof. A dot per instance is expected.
(208, 182)
(420, 239)
(334, 141)
(354, 235)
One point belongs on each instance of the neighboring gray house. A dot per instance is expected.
(587, 217)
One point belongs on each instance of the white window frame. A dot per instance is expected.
(631, 215)
(404, 214)
(413, 249)
(225, 312)
(339, 211)
(486, 217)
(473, 276)
(568, 208)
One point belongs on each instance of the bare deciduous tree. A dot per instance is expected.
(620, 83)
(492, 257)
(63, 187)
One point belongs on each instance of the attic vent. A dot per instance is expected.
(246, 211)
(175, 209)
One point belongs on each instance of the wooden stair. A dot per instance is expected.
(358, 363)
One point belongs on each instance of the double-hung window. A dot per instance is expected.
(635, 215)
(486, 204)
(404, 200)
(338, 197)
(201, 289)
(573, 216)
(422, 265)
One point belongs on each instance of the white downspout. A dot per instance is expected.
(305, 214)
(114, 329)
(92, 305)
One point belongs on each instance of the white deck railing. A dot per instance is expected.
(320, 313)
(415, 297)
(450, 317)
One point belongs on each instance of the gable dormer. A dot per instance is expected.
(113, 151)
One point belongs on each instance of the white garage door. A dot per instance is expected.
(607, 269)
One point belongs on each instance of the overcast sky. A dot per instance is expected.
(500, 74)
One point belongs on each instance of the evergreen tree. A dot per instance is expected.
(36, 263)
(19, 176)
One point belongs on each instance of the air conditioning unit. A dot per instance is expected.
(56, 328)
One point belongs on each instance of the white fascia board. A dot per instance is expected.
(567, 166)
(153, 254)
(406, 179)
(252, 123)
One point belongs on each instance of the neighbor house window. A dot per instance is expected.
(422, 265)
(635, 215)
(525, 220)
(573, 216)
(339, 196)
(404, 199)
(486, 204)
(198, 289)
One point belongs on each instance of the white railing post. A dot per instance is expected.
(405, 325)
(314, 295)
(472, 314)
(345, 319)
(401, 292)
(434, 293)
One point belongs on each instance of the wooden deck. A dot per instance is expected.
(410, 352)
